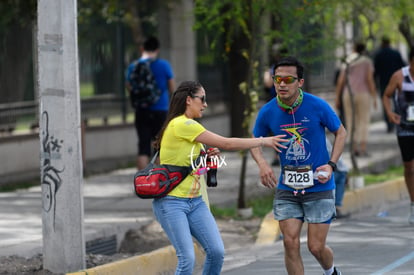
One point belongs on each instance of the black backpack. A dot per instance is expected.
(144, 89)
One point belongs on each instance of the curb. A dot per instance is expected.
(370, 197)
(160, 261)
(375, 196)
(269, 231)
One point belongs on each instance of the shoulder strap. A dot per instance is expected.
(147, 60)
(155, 156)
(169, 165)
(354, 60)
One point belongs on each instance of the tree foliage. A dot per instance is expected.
(301, 26)
(308, 29)
(21, 12)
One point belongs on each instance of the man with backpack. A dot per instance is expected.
(149, 81)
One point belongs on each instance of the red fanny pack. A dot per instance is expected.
(156, 181)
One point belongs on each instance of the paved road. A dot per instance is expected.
(366, 243)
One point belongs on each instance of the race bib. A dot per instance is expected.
(299, 177)
(410, 113)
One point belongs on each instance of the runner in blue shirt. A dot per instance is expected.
(305, 186)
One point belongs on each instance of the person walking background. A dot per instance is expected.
(386, 61)
(148, 120)
(305, 188)
(361, 81)
(183, 214)
(401, 84)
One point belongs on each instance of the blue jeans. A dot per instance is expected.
(183, 219)
(340, 181)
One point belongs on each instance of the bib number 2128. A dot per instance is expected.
(299, 177)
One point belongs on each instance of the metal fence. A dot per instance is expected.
(98, 109)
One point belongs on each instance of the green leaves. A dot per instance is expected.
(17, 11)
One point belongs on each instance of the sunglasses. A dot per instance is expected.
(286, 79)
(203, 98)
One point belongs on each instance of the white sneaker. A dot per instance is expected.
(336, 272)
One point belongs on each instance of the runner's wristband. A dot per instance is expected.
(333, 165)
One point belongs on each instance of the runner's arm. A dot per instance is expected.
(392, 86)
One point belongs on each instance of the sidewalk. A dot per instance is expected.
(111, 208)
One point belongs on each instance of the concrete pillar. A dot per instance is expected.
(60, 136)
(178, 39)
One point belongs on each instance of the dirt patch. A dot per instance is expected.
(143, 240)
(235, 234)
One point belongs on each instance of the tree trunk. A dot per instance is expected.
(135, 23)
(239, 68)
(16, 63)
(404, 27)
(241, 201)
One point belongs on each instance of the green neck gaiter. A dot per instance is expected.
(291, 109)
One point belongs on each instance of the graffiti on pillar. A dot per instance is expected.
(51, 180)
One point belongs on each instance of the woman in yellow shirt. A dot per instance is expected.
(182, 213)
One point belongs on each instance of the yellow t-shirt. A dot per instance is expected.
(179, 148)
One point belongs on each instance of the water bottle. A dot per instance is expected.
(211, 173)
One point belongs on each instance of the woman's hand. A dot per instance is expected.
(275, 142)
(213, 151)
